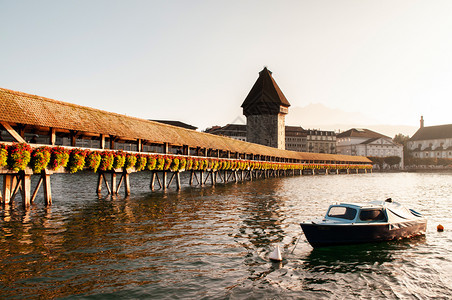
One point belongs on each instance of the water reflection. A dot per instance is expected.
(356, 258)
(213, 242)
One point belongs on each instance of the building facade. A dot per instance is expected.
(235, 131)
(296, 138)
(365, 142)
(431, 141)
(321, 141)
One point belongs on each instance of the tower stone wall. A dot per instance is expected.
(268, 130)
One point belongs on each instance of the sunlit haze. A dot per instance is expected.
(389, 62)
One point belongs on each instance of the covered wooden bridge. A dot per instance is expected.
(37, 122)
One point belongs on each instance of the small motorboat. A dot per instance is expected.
(351, 223)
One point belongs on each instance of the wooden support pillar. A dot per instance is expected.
(114, 190)
(191, 177)
(152, 181)
(15, 185)
(165, 149)
(139, 145)
(165, 178)
(100, 179)
(45, 178)
(73, 138)
(127, 183)
(102, 141)
(178, 186)
(7, 182)
(26, 189)
(52, 136)
(99, 183)
(201, 176)
(47, 189)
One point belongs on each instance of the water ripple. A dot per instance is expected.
(214, 242)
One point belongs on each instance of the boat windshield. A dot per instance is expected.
(342, 212)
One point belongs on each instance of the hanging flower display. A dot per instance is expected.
(3, 155)
(189, 165)
(19, 156)
(152, 162)
(92, 161)
(59, 158)
(202, 164)
(40, 158)
(119, 159)
(182, 164)
(130, 161)
(141, 162)
(195, 164)
(106, 162)
(168, 161)
(76, 160)
(160, 163)
(175, 164)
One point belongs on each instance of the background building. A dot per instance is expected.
(431, 141)
(235, 131)
(321, 141)
(297, 138)
(365, 142)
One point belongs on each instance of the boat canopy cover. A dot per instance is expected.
(396, 212)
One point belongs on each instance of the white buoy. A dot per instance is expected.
(276, 254)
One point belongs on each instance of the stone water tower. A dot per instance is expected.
(265, 109)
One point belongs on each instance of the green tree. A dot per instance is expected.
(377, 161)
(392, 160)
(403, 140)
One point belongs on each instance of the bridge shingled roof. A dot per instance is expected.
(22, 108)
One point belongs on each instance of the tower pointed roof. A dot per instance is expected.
(265, 96)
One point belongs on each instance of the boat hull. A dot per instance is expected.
(323, 235)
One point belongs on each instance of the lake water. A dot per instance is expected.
(214, 242)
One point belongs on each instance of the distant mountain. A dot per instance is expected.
(319, 116)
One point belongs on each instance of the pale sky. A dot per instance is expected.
(196, 61)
